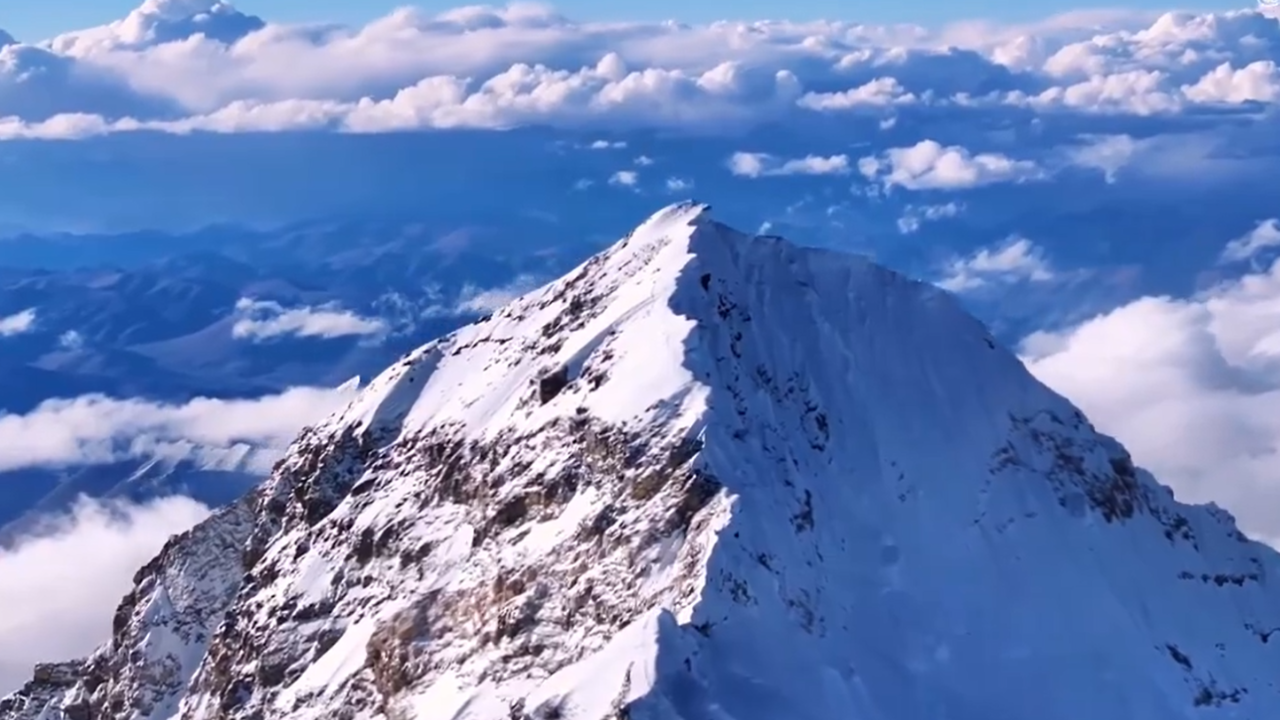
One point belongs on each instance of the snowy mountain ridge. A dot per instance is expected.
(703, 476)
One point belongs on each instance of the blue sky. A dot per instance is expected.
(33, 20)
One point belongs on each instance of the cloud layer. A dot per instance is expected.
(1190, 385)
(61, 588)
(95, 429)
(184, 66)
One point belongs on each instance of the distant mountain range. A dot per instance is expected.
(230, 312)
(154, 315)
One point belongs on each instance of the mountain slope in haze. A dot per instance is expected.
(210, 476)
(154, 316)
(703, 476)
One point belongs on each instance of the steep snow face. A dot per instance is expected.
(713, 476)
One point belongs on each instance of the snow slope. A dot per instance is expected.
(708, 476)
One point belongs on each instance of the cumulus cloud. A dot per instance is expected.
(881, 92)
(1255, 82)
(755, 165)
(1135, 92)
(1016, 260)
(18, 323)
(1265, 236)
(929, 165)
(157, 22)
(61, 586)
(265, 319)
(93, 429)
(1190, 385)
(185, 67)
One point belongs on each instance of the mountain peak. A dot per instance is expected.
(707, 475)
(642, 307)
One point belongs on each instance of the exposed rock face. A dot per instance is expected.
(703, 476)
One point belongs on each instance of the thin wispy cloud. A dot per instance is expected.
(474, 300)
(757, 164)
(265, 319)
(18, 323)
(914, 217)
(1263, 237)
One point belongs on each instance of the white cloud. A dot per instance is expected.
(916, 216)
(1016, 260)
(1256, 82)
(1133, 92)
(18, 323)
(928, 165)
(94, 429)
(880, 92)
(625, 178)
(156, 22)
(1106, 153)
(168, 68)
(265, 319)
(62, 587)
(1191, 386)
(675, 184)
(475, 300)
(607, 144)
(755, 165)
(1265, 235)
(71, 340)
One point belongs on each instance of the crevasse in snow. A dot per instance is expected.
(712, 476)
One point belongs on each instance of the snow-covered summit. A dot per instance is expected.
(703, 476)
